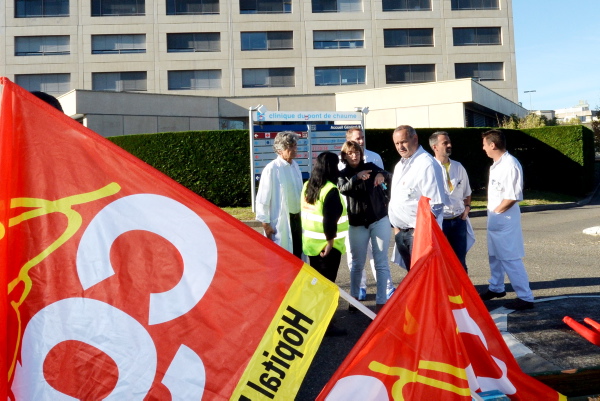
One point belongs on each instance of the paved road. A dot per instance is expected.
(560, 260)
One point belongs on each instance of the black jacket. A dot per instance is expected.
(366, 203)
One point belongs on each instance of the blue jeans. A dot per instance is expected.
(378, 233)
(456, 233)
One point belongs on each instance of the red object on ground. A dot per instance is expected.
(592, 336)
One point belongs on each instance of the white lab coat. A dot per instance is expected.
(504, 233)
(272, 202)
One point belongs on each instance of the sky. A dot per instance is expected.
(557, 45)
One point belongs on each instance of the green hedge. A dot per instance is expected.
(216, 164)
(558, 159)
(213, 164)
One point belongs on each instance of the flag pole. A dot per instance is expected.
(354, 302)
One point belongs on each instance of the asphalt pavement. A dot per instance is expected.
(562, 263)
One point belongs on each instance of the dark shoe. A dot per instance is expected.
(335, 331)
(486, 296)
(352, 308)
(518, 304)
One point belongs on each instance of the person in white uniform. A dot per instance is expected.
(278, 197)
(357, 135)
(456, 183)
(504, 233)
(416, 174)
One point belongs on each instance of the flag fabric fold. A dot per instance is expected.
(120, 277)
(434, 339)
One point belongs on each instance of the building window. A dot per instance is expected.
(54, 84)
(267, 77)
(475, 5)
(103, 8)
(42, 45)
(265, 6)
(409, 73)
(327, 76)
(406, 5)
(275, 40)
(119, 81)
(336, 6)
(193, 42)
(408, 37)
(233, 123)
(194, 79)
(189, 7)
(118, 44)
(41, 8)
(480, 71)
(476, 36)
(350, 39)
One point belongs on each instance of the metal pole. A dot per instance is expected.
(252, 178)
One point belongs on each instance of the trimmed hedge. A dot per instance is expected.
(557, 159)
(216, 164)
(213, 164)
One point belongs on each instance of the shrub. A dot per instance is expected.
(213, 164)
(216, 164)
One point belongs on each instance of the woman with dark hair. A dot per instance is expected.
(363, 185)
(324, 220)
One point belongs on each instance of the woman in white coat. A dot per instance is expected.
(278, 197)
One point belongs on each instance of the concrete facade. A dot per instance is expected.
(456, 103)
(156, 62)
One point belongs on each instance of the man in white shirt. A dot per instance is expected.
(416, 174)
(504, 234)
(456, 184)
(357, 135)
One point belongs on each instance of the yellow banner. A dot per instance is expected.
(283, 356)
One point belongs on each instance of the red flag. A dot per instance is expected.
(124, 285)
(434, 340)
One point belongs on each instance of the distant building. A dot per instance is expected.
(581, 112)
(549, 114)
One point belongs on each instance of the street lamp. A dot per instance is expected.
(530, 92)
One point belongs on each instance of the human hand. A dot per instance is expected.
(327, 249)
(269, 231)
(379, 179)
(364, 175)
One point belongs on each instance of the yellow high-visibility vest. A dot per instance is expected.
(313, 234)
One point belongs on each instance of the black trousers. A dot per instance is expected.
(327, 266)
(404, 243)
(296, 228)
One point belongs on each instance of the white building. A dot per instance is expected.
(581, 112)
(230, 49)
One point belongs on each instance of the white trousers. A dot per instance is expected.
(515, 270)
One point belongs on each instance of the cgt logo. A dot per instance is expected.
(109, 329)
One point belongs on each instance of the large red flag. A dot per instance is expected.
(124, 285)
(435, 340)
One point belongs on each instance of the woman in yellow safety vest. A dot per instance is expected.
(324, 222)
(324, 218)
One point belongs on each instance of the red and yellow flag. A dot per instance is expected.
(124, 285)
(435, 340)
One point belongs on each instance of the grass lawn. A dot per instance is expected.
(478, 202)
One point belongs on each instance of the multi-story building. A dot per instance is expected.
(581, 112)
(245, 48)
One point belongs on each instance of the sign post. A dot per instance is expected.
(315, 136)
